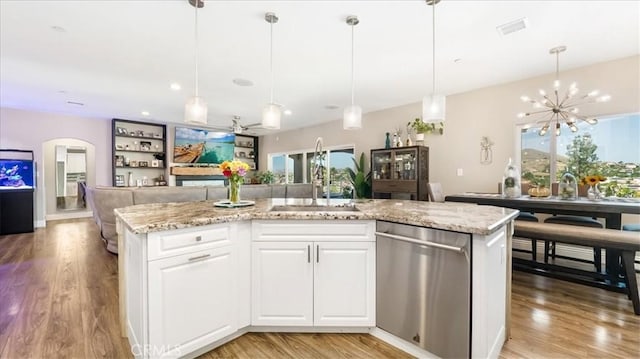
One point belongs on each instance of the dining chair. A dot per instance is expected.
(434, 189)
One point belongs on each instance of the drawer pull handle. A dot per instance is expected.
(309, 253)
(317, 253)
(199, 257)
(198, 238)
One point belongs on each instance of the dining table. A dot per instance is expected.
(609, 209)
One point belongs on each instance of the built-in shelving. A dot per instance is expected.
(142, 144)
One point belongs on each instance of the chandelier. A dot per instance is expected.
(554, 109)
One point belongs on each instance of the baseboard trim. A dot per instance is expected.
(70, 215)
(401, 344)
(40, 223)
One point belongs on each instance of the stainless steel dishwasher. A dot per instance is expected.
(423, 287)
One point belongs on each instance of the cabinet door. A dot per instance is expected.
(282, 283)
(191, 300)
(344, 284)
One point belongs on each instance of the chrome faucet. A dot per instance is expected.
(317, 171)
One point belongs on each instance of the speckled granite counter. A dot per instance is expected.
(460, 217)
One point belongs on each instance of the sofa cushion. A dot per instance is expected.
(254, 191)
(217, 192)
(299, 190)
(278, 191)
(169, 194)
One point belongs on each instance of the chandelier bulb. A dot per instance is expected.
(593, 93)
(574, 110)
(591, 121)
(556, 84)
(525, 98)
(603, 98)
(557, 128)
(542, 92)
(573, 127)
(521, 115)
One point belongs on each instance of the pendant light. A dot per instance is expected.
(554, 109)
(352, 119)
(271, 113)
(195, 109)
(433, 107)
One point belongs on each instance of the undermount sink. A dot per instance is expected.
(313, 208)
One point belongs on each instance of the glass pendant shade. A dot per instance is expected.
(271, 117)
(352, 119)
(195, 111)
(433, 108)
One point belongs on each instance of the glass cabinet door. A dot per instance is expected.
(405, 164)
(381, 162)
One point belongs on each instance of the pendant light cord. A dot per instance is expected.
(271, 59)
(433, 88)
(352, 66)
(197, 3)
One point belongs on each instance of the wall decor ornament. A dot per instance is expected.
(486, 153)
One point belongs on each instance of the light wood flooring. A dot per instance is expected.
(59, 299)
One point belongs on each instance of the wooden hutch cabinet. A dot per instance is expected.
(400, 172)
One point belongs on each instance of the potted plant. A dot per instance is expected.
(266, 177)
(360, 181)
(423, 128)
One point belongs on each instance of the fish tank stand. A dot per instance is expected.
(17, 183)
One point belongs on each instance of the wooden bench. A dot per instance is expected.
(627, 243)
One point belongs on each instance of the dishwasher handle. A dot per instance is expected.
(423, 243)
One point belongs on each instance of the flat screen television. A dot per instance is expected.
(16, 174)
(202, 146)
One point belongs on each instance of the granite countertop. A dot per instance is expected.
(459, 217)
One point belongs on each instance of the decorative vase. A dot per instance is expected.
(593, 193)
(511, 181)
(568, 187)
(387, 142)
(234, 191)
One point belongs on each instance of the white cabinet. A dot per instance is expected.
(191, 299)
(328, 280)
(187, 288)
(344, 284)
(489, 294)
(282, 282)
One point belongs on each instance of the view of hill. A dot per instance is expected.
(537, 162)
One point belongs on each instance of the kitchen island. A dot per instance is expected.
(194, 276)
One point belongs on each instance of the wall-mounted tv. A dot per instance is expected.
(202, 146)
(16, 174)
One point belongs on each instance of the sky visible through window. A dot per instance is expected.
(618, 138)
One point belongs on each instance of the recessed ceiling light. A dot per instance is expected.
(332, 107)
(176, 86)
(287, 112)
(75, 103)
(58, 28)
(242, 82)
(145, 113)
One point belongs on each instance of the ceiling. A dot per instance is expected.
(118, 58)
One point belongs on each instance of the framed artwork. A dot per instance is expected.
(119, 180)
(143, 163)
(145, 146)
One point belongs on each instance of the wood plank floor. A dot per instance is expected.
(59, 299)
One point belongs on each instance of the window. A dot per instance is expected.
(610, 148)
(296, 167)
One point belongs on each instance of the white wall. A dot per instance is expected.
(28, 130)
(488, 111)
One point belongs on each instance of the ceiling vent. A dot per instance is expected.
(513, 26)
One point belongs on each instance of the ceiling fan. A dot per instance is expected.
(238, 128)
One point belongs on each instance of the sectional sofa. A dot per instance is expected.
(103, 200)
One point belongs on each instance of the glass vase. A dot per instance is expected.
(511, 181)
(568, 187)
(234, 191)
(593, 193)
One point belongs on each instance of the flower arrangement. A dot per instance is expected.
(592, 180)
(235, 172)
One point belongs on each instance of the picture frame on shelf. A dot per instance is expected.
(133, 163)
(145, 145)
(143, 163)
(155, 163)
(119, 146)
(120, 181)
(119, 161)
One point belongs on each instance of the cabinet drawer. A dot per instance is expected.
(310, 230)
(394, 186)
(181, 241)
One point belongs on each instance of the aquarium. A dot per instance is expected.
(202, 146)
(16, 174)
